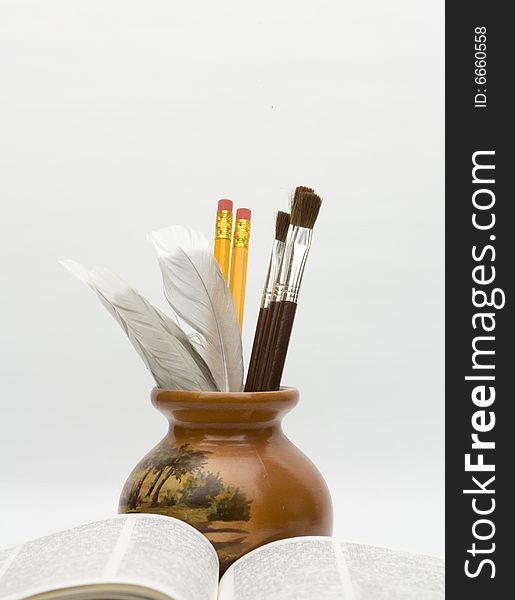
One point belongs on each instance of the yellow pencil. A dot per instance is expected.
(240, 252)
(223, 233)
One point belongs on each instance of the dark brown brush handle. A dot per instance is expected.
(256, 351)
(266, 346)
(277, 359)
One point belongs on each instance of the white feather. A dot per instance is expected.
(165, 349)
(196, 290)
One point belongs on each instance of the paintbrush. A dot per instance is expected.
(305, 209)
(282, 223)
(269, 326)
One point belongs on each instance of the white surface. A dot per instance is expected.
(120, 117)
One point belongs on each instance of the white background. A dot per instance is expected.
(118, 117)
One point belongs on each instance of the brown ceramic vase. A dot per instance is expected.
(226, 467)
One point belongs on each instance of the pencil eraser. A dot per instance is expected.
(243, 213)
(225, 205)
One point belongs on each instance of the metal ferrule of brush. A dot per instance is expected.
(282, 272)
(293, 264)
(273, 270)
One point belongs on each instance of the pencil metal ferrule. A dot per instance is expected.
(223, 226)
(241, 233)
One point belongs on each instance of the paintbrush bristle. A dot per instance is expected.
(305, 210)
(282, 222)
(299, 190)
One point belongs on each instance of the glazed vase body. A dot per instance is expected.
(226, 467)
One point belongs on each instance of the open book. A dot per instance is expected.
(151, 557)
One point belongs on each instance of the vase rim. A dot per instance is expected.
(286, 394)
(224, 409)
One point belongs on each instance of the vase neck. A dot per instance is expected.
(252, 411)
(225, 419)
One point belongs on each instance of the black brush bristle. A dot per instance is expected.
(305, 209)
(282, 222)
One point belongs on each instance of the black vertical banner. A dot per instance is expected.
(480, 331)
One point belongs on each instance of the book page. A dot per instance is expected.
(302, 568)
(383, 574)
(151, 551)
(322, 568)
